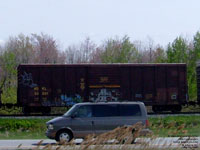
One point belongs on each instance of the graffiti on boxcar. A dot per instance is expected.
(71, 100)
(102, 95)
(63, 100)
(174, 96)
(27, 80)
(138, 95)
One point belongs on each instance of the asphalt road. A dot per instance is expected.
(192, 142)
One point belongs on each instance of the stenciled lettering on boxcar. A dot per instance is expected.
(44, 92)
(104, 79)
(82, 84)
(27, 80)
(36, 91)
(105, 94)
(36, 94)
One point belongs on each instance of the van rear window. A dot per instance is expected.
(130, 110)
(106, 111)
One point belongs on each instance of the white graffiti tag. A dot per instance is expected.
(27, 80)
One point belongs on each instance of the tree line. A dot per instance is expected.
(43, 48)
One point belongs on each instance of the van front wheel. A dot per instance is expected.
(63, 136)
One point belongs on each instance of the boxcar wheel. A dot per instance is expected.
(176, 109)
(46, 110)
(26, 110)
(156, 109)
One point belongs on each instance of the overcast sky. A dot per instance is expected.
(71, 21)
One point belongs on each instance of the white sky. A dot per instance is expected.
(71, 21)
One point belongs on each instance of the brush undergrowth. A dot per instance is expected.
(125, 138)
(61, 110)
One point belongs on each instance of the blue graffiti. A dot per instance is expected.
(27, 80)
(71, 100)
(64, 100)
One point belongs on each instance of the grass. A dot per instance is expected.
(163, 127)
(22, 128)
(191, 109)
(22, 135)
(176, 126)
(13, 110)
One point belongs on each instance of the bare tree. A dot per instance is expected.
(22, 47)
(149, 52)
(80, 53)
(71, 55)
(96, 55)
(46, 49)
(86, 49)
(150, 48)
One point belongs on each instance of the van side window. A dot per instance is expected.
(130, 110)
(106, 110)
(84, 111)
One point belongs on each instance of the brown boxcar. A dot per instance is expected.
(198, 82)
(163, 86)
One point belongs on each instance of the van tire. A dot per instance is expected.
(63, 136)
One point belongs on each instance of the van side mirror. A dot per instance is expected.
(73, 116)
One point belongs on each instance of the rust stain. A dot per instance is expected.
(104, 86)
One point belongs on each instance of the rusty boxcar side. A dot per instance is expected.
(163, 86)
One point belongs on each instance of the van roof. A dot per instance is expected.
(97, 103)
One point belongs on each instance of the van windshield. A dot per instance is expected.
(70, 111)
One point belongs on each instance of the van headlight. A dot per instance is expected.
(50, 127)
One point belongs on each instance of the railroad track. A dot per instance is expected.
(169, 113)
(165, 114)
(151, 114)
(29, 116)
